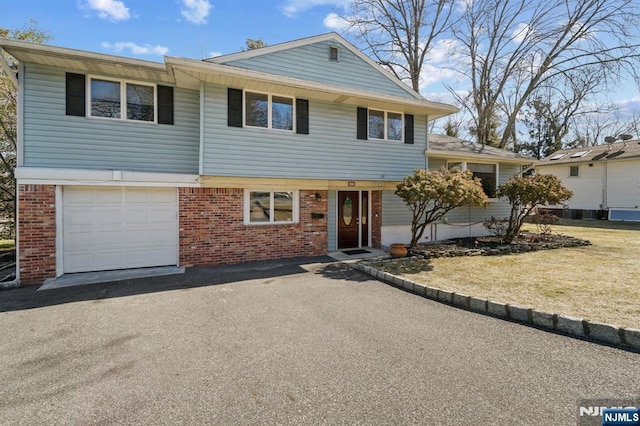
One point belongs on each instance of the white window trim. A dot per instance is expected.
(123, 99)
(463, 164)
(247, 207)
(269, 110)
(386, 130)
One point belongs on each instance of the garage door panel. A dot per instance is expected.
(108, 216)
(118, 228)
(79, 216)
(162, 216)
(138, 216)
(108, 196)
(80, 196)
(79, 240)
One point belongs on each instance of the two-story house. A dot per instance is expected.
(288, 150)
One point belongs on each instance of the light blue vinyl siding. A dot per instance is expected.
(436, 163)
(330, 150)
(53, 139)
(311, 62)
(396, 212)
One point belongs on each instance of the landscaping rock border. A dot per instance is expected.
(627, 338)
(525, 243)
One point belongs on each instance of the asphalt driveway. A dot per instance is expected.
(292, 342)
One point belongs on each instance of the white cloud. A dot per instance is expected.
(335, 22)
(196, 11)
(136, 49)
(521, 32)
(431, 74)
(293, 7)
(108, 9)
(214, 54)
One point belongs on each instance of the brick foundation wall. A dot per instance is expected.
(37, 233)
(376, 219)
(212, 229)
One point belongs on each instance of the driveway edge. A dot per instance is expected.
(626, 338)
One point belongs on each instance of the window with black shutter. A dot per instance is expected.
(408, 128)
(76, 94)
(165, 105)
(302, 116)
(362, 123)
(234, 107)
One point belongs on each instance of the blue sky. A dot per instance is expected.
(149, 29)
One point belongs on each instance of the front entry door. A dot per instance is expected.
(348, 222)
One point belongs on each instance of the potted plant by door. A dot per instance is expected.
(398, 250)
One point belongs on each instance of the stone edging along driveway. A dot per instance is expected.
(628, 338)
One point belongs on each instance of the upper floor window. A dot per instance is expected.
(268, 111)
(118, 99)
(122, 100)
(385, 125)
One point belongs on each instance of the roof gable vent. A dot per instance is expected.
(333, 53)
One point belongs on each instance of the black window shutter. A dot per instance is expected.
(76, 94)
(234, 107)
(165, 105)
(362, 123)
(302, 116)
(408, 128)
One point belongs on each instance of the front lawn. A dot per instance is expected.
(600, 282)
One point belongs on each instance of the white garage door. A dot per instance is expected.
(119, 228)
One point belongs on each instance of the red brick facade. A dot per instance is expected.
(37, 233)
(212, 229)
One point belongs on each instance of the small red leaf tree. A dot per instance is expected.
(432, 194)
(527, 193)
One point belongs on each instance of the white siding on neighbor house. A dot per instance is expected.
(587, 187)
(53, 139)
(311, 62)
(331, 150)
(623, 189)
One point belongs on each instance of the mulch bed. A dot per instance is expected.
(491, 246)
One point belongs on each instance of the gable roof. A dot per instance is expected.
(332, 36)
(442, 146)
(598, 153)
(189, 73)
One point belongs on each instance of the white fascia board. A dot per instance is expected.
(452, 155)
(51, 176)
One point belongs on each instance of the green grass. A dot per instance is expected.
(600, 282)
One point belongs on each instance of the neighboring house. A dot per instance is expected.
(493, 166)
(288, 150)
(605, 180)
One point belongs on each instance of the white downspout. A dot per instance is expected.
(426, 145)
